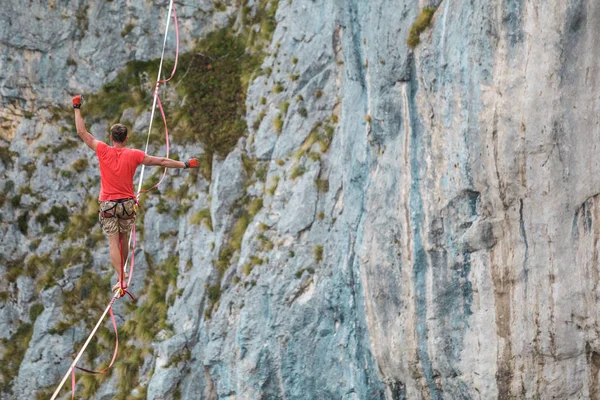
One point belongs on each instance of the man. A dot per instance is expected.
(117, 200)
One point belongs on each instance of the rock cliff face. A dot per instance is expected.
(395, 223)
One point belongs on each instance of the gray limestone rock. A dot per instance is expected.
(141, 123)
(299, 213)
(167, 374)
(266, 137)
(26, 289)
(227, 188)
(99, 130)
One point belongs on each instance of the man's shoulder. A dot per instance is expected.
(135, 151)
(136, 154)
(101, 147)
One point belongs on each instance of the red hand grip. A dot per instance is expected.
(77, 100)
(191, 163)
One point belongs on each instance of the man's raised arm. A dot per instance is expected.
(81, 131)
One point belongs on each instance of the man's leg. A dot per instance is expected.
(110, 227)
(115, 253)
(125, 246)
(125, 226)
(117, 238)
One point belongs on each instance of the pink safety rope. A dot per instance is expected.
(162, 111)
(164, 118)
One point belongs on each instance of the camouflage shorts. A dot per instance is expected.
(117, 216)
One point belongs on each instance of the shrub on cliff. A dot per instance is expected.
(215, 94)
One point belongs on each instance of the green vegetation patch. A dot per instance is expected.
(254, 261)
(266, 244)
(50, 150)
(84, 221)
(261, 172)
(14, 352)
(16, 346)
(59, 214)
(215, 91)
(263, 18)
(248, 164)
(15, 201)
(322, 133)
(82, 20)
(23, 222)
(80, 165)
(421, 23)
(213, 293)
(6, 156)
(128, 370)
(300, 272)
(278, 124)
(15, 268)
(258, 120)
(246, 209)
(278, 88)
(54, 270)
(297, 171)
(322, 185)
(127, 29)
(150, 317)
(318, 253)
(29, 168)
(35, 311)
(202, 216)
(271, 190)
(129, 88)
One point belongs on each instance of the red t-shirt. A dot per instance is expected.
(117, 167)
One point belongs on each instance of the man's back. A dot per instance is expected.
(117, 167)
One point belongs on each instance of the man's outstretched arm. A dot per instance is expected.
(168, 163)
(87, 137)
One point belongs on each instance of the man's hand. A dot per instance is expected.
(191, 163)
(77, 100)
(87, 137)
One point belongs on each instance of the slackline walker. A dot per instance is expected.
(109, 212)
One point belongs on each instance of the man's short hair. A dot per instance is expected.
(118, 133)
